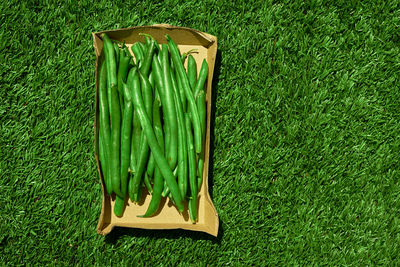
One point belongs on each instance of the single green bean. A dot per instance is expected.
(170, 110)
(132, 158)
(147, 183)
(192, 171)
(104, 162)
(156, 196)
(159, 81)
(150, 165)
(201, 106)
(182, 143)
(123, 68)
(126, 130)
(126, 137)
(111, 65)
(143, 48)
(145, 68)
(152, 141)
(138, 52)
(181, 92)
(202, 78)
(144, 149)
(104, 128)
(119, 206)
(115, 116)
(188, 92)
(151, 80)
(135, 151)
(165, 191)
(192, 72)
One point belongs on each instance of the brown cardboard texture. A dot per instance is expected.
(168, 217)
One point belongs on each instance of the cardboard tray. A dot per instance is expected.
(168, 217)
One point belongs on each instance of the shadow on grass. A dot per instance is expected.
(118, 232)
(214, 95)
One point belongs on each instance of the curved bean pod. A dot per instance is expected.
(202, 78)
(192, 171)
(104, 128)
(115, 115)
(192, 72)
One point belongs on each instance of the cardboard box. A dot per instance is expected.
(169, 217)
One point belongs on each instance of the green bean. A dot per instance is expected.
(181, 92)
(192, 72)
(147, 41)
(133, 158)
(182, 143)
(188, 92)
(201, 106)
(192, 171)
(167, 134)
(170, 110)
(111, 68)
(104, 162)
(158, 131)
(158, 178)
(202, 78)
(145, 68)
(119, 206)
(166, 191)
(135, 150)
(159, 81)
(183, 58)
(150, 165)
(152, 141)
(126, 137)
(135, 153)
(123, 68)
(147, 183)
(179, 86)
(156, 196)
(115, 116)
(104, 128)
(143, 48)
(125, 148)
(151, 80)
(144, 149)
(138, 52)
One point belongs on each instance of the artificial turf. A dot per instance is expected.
(305, 160)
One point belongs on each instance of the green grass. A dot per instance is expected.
(306, 134)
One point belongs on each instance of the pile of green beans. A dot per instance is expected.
(152, 119)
